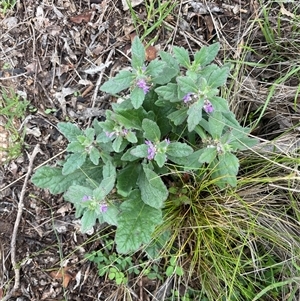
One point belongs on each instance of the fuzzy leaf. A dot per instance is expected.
(69, 130)
(155, 68)
(127, 178)
(88, 220)
(75, 147)
(179, 116)
(137, 53)
(73, 162)
(153, 190)
(207, 155)
(131, 118)
(140, 151)
(178, 149)
(226, 169)
(186, 84)
(194, 114)
(218, 77)
(53, 179)
(136, 224)
(206, 55)
(94, 155)
(117, 144)
(182, 56)
(168, 92)
(131, 137)
(160, 159)
(120, 82)
(151, 130)
(137, 97)
(216, 125)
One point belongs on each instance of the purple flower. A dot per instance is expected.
(86, 198)
(141, 83)
(187, 97)
(151, 150)
(103, 207)
(208, 107)
(167, 140)
(125, 132)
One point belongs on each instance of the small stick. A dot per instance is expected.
(16, 226)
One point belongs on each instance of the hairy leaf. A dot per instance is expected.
(69, 130)
(153, 190)
(136, 224)
(120, 82)
(53, 179)
(151, 130)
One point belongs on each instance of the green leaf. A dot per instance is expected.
(168, 92)
(75, 147)
(182, 56)
(218, 77)
(117, 144)
(90, 134)
(169, 271)
(120, 82)
(187, 85)
(216, 125)
(170, 62)
(225, 170)
(88, 220)
(131, 137)
(131, 118)
(179, 116)
(94, 155)
(160, 159)
(140, 151)
(188, 163)
(136, 224)
(127, 178)
(155, 68)
(104, 188)
(206, 55)
(74, 161)
(69, 130)
(179, 149)
(76, 193)
(111, 215)
(53, 179)
(137, 97)
(151, 130)
(137, 53)
(194, 114)
(207, 155)
(153, 190)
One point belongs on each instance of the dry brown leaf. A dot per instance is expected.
(151, 53)
(133, 3)
(62, 274)
(285, 12)
(84, 17)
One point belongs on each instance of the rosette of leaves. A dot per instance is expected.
(164, 123)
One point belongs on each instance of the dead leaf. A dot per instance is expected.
(151, 53)
(133, 3)
(84, 17)
(204, 9)
(62, 274)
(210, 25)
(285, 12)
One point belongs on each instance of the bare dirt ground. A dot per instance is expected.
(56, 54)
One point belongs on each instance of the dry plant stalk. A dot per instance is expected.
(16, 268)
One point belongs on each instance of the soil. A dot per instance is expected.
(56, 54)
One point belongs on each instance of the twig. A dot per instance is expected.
(16, 267)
